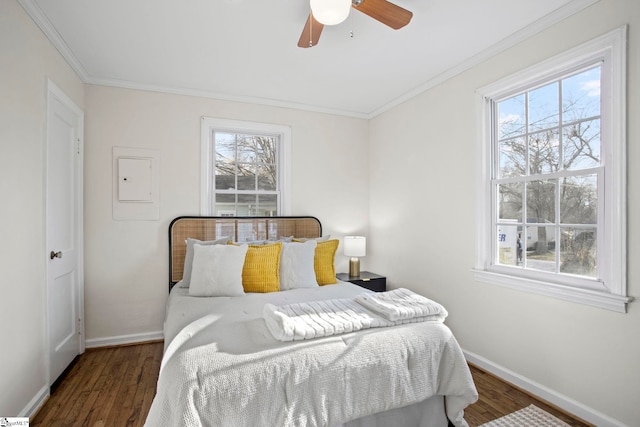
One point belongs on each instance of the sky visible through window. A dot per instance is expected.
(581, 98)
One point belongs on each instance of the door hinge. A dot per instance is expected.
(79, 326)
(78, 146)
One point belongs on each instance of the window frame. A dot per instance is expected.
(207, 159)
(610, 49)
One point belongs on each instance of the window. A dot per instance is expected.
(547, 172)
(244, 168)
(551, 198)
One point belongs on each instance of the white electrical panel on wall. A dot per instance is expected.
(136, 186)
(135, 179)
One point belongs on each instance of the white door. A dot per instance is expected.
(64, 230)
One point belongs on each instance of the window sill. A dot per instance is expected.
(567, 293)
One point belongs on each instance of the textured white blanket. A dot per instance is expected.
(222, 367)
(402, 304)
(308, 320)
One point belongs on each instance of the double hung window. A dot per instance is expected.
(547, 173)
(244, 168)
(552, 192)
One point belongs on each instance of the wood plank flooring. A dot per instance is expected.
(498, 398)
(106, 387)
(114, 386)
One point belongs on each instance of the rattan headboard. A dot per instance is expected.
(239, 229)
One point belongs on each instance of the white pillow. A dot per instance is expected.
(296, 265)
(188, 257)
(217, 270)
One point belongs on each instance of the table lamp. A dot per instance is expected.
(354, 247)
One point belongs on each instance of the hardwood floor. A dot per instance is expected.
(114, 387)
(498, 398)
(107, 387)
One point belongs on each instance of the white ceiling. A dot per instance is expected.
(246, 50)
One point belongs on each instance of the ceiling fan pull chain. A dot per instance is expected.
(310, 29)
(351, 25)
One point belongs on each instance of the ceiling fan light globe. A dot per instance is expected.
(330, 12)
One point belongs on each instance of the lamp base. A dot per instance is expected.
(354, 267)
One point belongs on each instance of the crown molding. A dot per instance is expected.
(541, 24)
(226, 97)
(36, 14)
(519, 36)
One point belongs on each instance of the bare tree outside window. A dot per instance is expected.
(246, 174)
(547, 156)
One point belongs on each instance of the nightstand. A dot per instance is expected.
(367, 280)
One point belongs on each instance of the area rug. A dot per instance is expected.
(531, 416)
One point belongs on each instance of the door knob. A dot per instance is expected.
(53, 254)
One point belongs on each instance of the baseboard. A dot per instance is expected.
(40, 398)
(544, 393)
(124, 339)
(36, 403)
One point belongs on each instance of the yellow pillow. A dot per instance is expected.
(261, 268)
(324, 262)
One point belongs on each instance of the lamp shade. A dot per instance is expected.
(355, 246)
(330, 12)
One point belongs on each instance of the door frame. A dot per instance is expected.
(54, 92)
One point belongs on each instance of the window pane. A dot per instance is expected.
(579, 199)
(511, 115)
(225, 161)
(246, 177)
(247, 204)
(509, 246)
(246, 148)
(267, 177)
(510, 206)
(543, 107)
(541, 201)
(544, 153)
(578, 252)
(581, 95)
(267, 204)
(581, 145)
(225, 179)
(225, 204)
(512, 158)
(225, 144)
(266, 148)
(541, 254)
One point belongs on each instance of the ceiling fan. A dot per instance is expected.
(383, 11)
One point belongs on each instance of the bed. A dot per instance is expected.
(224, 365)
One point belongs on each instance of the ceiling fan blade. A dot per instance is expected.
(311, 33)
(388, 13)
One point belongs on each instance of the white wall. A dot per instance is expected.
(27, 59)
(422, 231)
(126, 262)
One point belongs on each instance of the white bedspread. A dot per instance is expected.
(314, 319)
(222, 367)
